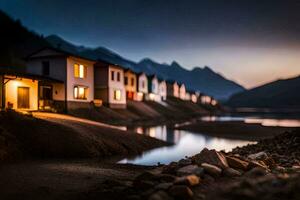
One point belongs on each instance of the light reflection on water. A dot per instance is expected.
(186, 144)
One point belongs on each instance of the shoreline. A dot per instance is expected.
(235, 130)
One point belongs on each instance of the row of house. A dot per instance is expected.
(57, 79)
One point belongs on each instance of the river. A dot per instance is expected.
(187, 143)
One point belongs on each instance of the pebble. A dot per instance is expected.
(211, 169)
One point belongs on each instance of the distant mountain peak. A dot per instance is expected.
(147, 60)
(200, 79)
(175, 64)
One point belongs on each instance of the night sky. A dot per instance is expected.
(249, 41)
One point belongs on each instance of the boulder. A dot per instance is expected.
(229, 172)
(190, 180)
(211, 169)
(256, 172)
(181, 192)
(190, 169)
(237, 163)
(211, 157)
(258, 156)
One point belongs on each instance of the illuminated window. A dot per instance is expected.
(80, 92)
(117, 95)
(132, 81)
(79, 71)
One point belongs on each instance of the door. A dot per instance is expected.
(23, 97)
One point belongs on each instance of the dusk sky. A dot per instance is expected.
(249, 41)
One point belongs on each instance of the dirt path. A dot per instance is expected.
(58, 117)
(59, 179)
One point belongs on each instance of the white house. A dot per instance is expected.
(153, 89)
(162, 89)
(75, 73)
(142, 86)
(182, 91)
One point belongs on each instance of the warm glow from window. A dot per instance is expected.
(117, 95)
(79, 71)
(80, 92)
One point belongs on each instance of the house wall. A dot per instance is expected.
(87, 81)
(154, 86)
(57, 67)
(187, 96)
(116, 85)
(143, 78)
(194, 98)
(176, 90)
(162, 90)
(11, 92)
(182, 92)
(101, 83)
(131, 85)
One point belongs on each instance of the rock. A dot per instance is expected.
(270, 162)
(296, 168)
(147, 176)
(145, 180)
(190, 169)
(163, 186)
(256, 172)
(258, 156)
(166, 178)
(181, 192)
(184, 162)
(170, 169)
(208, 178)
(160, 195)
(229, 172)
(237, 163)
(211, 157)
(190, 180)
(211, 169)
(255, 164)
(279, 169)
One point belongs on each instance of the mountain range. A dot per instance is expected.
(278, 94)
(17, 42)
(203, 79)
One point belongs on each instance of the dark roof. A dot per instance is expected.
(28, 75)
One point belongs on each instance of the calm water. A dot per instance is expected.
(187, 143)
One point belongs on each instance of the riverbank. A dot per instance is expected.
(146, 113)
(234, 129)
(27, 137)
(267, 170)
